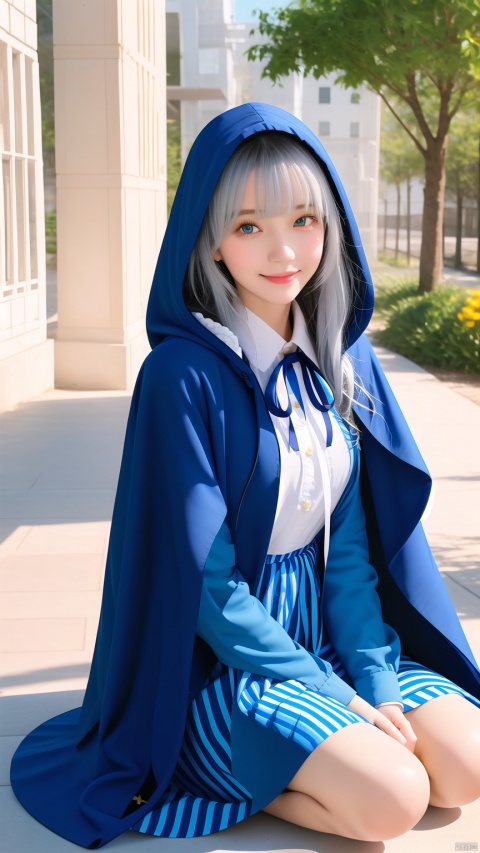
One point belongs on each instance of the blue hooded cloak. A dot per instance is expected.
(199, 450)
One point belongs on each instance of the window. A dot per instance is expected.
(355, 98)
(7, 271)
(354, 128)
(323, 128)
(209, 60)
(324, 95)
(18, 178)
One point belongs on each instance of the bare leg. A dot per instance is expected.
(358, 783)
(448, 745)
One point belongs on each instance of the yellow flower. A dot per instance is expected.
(470, 313)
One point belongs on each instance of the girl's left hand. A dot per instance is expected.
(397, 717)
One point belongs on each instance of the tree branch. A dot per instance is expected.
(443, 115)
(432, 79)
(416, 107)
(467, 86)
(414, 139)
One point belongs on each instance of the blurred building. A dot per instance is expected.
(26, 356)
(214, 75)
(201, 81)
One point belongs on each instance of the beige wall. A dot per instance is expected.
(110, 120)
(26, 356)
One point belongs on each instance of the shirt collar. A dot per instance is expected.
(263, 346)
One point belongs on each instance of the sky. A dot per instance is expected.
(244, 8)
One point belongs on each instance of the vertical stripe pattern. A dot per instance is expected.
(204, 796)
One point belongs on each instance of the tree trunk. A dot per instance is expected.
(409, 220)
(397, 224)
(458, 231)
(431, 254)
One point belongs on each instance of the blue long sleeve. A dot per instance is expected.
(243, 634)
(368, 648)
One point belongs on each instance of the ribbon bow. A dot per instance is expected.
(315, 389)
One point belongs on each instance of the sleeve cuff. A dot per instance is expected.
(379, 687)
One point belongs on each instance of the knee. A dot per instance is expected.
(456, 781)
(398, 803)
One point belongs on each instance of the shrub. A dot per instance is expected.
(389, 292)
(440, 328)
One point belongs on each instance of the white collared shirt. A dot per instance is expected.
(301, 505)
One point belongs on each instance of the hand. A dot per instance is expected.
(374, 715)
(397, 717)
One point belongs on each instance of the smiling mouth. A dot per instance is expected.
(282, 279)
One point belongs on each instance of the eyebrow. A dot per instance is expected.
(297, 207)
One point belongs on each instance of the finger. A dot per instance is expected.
(407, 730)
(386, 726)
(410, 737)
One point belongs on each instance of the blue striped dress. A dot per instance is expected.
(247, 735)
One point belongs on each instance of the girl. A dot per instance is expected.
(274, 633)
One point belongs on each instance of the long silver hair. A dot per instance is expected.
(285, 170)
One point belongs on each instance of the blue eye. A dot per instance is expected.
(302, 220)
(248, 228)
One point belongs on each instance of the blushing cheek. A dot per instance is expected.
(234, 253)
(316, 246)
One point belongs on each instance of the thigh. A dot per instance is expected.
(362, 771)
(448, 745)
(355, 757)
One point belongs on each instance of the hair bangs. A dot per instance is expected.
(281, 187)
(284, 180)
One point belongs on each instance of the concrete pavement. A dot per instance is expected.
(60, 456)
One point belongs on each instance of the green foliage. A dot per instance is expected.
(44, 18)
(424, 53)
(400, 159)
(378, 42)
(45, 61)
(463, 151)
(434, 329)
(51, 232)
(46, 96)
(389, 292)
(174, 165)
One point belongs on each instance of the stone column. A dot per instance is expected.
(110, 128)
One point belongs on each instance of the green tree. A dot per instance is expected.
(424, 53)
(174, 165)
(462, 167)
(45, 61)
(400, 161)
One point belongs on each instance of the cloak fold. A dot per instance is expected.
(200, 449)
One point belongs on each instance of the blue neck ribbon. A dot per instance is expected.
(314, 386)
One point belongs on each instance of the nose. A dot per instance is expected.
(279, 250)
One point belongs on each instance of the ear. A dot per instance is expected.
(217, 256)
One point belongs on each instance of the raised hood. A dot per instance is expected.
(167, 313)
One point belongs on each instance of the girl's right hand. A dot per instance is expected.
(373, 715)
